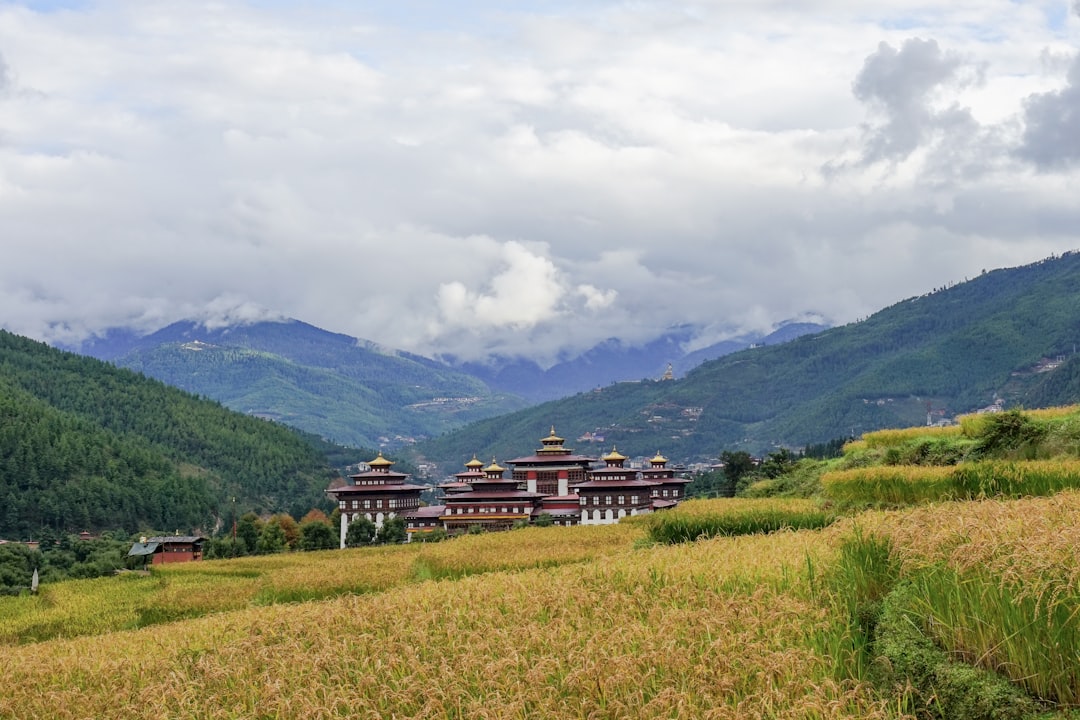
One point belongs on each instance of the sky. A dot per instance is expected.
(524, 178)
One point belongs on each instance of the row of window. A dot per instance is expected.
(621, 500)
(470, 510)
(392, 504)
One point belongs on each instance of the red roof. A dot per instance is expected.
(431, 511)
(493, 495)
(552, 460)
(383, 474)
(611, 484)
(375, 489)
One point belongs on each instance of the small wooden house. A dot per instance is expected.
(169, 549)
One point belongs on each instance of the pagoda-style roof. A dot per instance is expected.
(494, 467)
(658, 459)
(552, 439)
(474, 464)
(379, 462)
(614, 457)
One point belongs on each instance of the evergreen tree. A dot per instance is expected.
(361, 532)
(317, 535)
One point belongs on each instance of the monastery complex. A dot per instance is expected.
(551, 482)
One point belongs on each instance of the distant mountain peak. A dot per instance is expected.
(228, 312)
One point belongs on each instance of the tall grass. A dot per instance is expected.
(998, 584)
(698, 519)
(893, 437)
(886, 485)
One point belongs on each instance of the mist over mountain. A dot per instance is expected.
(615, 360)
(1007, 337)
(355, 391)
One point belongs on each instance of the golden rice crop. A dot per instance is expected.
(999, 584)
(172, 592)
(899, 436)
(887, 484)
(913, 484)
(522, 549)
(668, 632)
(696, 519)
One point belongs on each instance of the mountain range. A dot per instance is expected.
(1008, 337)
(357, 392)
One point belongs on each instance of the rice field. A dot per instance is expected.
(174, 592)
(898, 485)
(726, 608)
(725, 628)
(699, 519)
(998, 583)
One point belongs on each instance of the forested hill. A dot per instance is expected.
(325, 383)
(1008, 335)
(85, 445)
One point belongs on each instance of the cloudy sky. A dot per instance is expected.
(534, 176)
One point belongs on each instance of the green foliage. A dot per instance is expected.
(956, 348)
(271, 539)
(737, 464)
(710, 484)
(317, 535)
(392, 531)
(65, 558)
(323, 383)
(942, 687)
(85, 445)
(739, 517)
(801, 479)
(1008, 432)
(361, 532)
(436, 535)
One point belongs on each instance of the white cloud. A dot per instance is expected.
(498, 180)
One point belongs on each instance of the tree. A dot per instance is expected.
(315, 514)
(544, 520)
(289, 527)
(248, 530)
(317, 535)
(271, 539)
(778, 463)
(736, 464)
(223, 547)
(392, 531)
(361, 532)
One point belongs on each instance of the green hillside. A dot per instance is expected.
(1009, 334)
(85, 445)
(321, 382)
